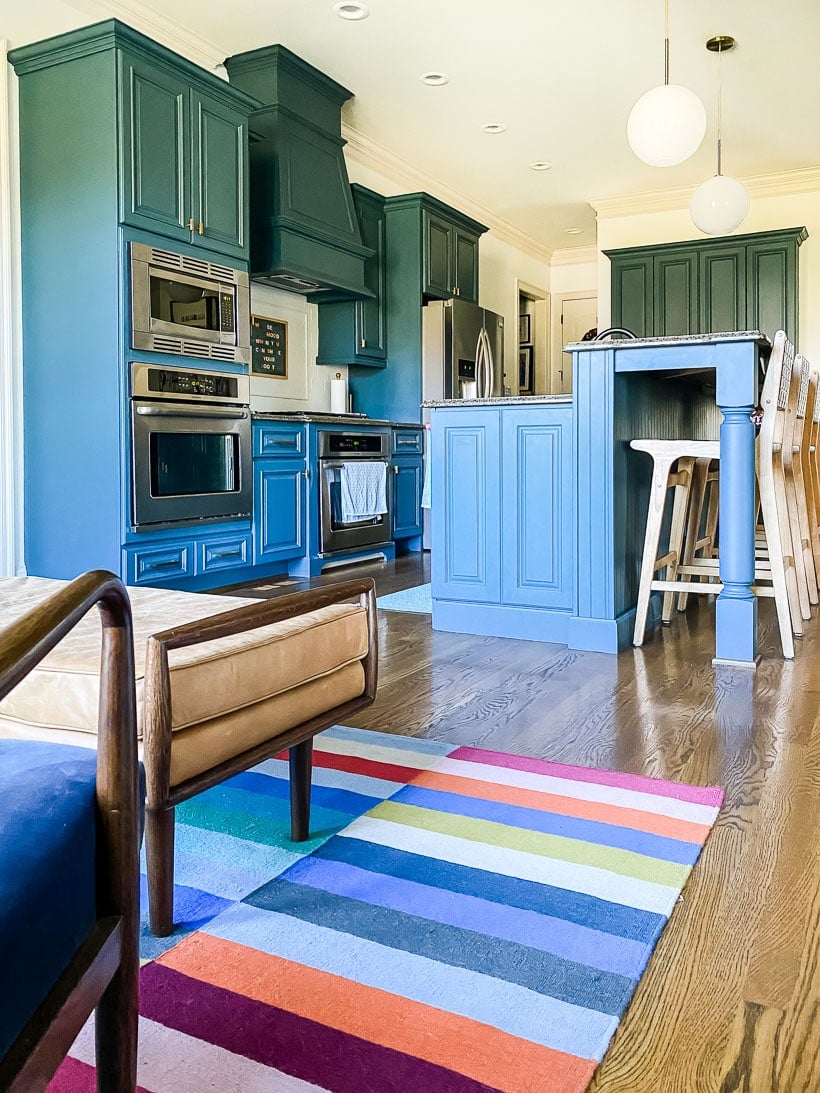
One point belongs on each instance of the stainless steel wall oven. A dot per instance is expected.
(336, 534)
(190, 446)
(189, 306)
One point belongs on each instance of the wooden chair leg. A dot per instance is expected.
(654, 523)
(115, 1028)
(301, 767)
(159, 852)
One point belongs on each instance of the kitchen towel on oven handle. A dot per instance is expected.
(363, 489)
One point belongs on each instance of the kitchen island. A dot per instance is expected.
(539, 503)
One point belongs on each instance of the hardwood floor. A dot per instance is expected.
(730, 1002)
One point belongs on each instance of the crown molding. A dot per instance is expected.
(783, 183)
(574, 256)
(369, 153)
(155, 25)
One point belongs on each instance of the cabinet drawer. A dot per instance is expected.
(273, 440)
(147, 565)
(408, 441)
(226, 552)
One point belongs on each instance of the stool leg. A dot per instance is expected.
(159, 851)
(697, 495)
(654, 522)
(301, 767)
(676, 530)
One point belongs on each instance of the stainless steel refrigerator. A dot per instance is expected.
(463, 357)
(463, 346)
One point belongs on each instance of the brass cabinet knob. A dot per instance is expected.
(201, 228)
(191, 224)
(363, 343)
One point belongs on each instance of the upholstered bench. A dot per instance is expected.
(222, 683)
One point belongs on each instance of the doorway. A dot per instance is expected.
(574, 315)
(530, 372)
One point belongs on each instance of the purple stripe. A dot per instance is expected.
(696, 795)
(294, 1045)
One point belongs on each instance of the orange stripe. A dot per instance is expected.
(651, 822)
(479, 1051)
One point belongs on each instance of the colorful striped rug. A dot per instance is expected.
(479, 925)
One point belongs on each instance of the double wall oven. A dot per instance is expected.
(190, 446)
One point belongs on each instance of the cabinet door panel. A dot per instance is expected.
(537, 513)
(466, 553)
(370, 314)
(632, 296)
(279, 510)
(438, 274)
(676, 294)
(466, 265)
(723, 289)
(156, 145)
(771, 283)
(220, 139)
(406, 498)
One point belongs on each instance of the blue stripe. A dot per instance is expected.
(551, 823)
(597, 914)
(385, 740)
(541, 972)
(262, 785)
(513, 1009)
(563, 939)
(378, 788)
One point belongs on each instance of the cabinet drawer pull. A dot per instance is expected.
(191, 224)
(175, 564)
(282, 442)
(227, 553)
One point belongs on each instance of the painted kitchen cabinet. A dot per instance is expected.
(280, 491)
(743, 282)
(503, 523)
(185, 163)
(407, 470)
(355, 331)
(431, 253)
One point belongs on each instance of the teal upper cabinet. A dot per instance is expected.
(355, 331)
(450, 257)
(184, 153)
(742, 282)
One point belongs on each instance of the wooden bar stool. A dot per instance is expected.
(775, 565)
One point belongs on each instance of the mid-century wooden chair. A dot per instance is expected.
(69, 849)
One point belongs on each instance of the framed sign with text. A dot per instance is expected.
(269, 347)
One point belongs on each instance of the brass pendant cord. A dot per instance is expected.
(719, 109)
(666, 43)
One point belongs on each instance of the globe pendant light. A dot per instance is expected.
(667, 124)
(720, 204)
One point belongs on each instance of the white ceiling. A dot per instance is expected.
(561, 77)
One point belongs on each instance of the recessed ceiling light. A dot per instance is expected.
(493, 128)
(351, 9)
(434, 79)
(573, 231)
(540, 165)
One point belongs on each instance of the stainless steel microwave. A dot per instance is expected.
(188, 306)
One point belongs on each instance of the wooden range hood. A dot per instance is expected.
(304, 233)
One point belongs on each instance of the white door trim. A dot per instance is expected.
(11, 403)
(557, 330)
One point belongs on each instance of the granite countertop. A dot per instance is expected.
(320, 417)
(683, 339)
(502, 400)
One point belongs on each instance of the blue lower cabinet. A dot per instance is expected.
(466, 494)
(407, 475)
(279, 508)
(223, 552)
(160, 562)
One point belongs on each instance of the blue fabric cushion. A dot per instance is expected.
(47, 870)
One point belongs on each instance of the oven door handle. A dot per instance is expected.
(157, 411)
(333, 466)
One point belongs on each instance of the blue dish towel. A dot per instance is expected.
(363, 490)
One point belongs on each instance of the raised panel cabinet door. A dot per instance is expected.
(156, 149)
(675, 279)
(465, 262)
(220, 141)
(771, 287)
(537, 535)
(278, 510)
(370, 313)
(406, 498)
(722, 293)
(438, 278)
(633, 302)
(466, 495)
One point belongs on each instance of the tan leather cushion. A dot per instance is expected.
(212, 680)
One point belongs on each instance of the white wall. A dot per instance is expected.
(766, 214)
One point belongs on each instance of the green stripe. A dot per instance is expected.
(625, 862)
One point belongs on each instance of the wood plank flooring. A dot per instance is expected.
(730, 1002)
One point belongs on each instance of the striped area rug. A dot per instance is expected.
(479, 925)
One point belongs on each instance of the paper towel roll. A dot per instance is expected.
(338, 395)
